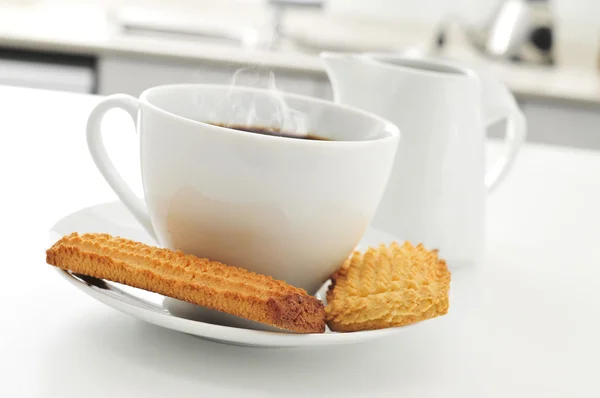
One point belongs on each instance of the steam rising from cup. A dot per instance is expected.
(267, 110)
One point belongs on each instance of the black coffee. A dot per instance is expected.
(270, 131)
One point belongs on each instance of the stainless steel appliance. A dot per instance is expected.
(519, 30)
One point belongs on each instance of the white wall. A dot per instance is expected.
(581, 13)
(426, 12)
(430, 11)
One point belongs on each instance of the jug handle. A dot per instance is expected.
(505, 107)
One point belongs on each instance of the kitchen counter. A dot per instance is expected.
(89, 28)
(523, 324)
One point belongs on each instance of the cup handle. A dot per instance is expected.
(100, 156)
(499, 104)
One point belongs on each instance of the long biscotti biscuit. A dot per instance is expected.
(195, 280)
(387, 286)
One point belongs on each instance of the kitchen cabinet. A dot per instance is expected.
(47, 70)
(558, 122)
(563, 123)
(133, 74)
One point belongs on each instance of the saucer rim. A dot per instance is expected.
(232, 329)
(210, 331)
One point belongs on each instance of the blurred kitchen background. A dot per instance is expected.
(546, 51)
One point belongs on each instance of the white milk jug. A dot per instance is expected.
(438, 186)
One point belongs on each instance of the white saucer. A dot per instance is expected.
(115, 219)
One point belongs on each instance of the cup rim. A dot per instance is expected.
(390, 132)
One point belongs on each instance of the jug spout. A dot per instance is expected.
(350, 76)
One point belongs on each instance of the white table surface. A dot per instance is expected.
(524, 324)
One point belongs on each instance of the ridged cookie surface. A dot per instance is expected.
(387, 286)
(189, 278)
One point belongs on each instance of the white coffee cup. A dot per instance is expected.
(290, 208)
